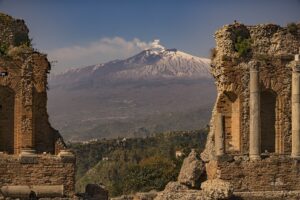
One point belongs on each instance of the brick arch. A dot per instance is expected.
(229, 107)
(7, 119)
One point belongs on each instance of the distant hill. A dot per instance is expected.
(156, 90)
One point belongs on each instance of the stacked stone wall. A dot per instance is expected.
(27, 104)
(38, 170)
(278, 173)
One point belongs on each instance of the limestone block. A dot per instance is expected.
(21, 191)
(177, 191)
(145, 195)
(191, 170)
(217, 189)
(175, 187)
(39, 191)
(67, 156)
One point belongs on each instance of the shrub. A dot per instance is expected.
(3, 49)
(22, 39)
(242, 46)
(242, 41)
(152, 173)
(213, 53)
(292, 28)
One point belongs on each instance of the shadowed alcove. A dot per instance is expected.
(268, 120)
(7, 101)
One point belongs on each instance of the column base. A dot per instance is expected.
(254, 157)
(296, 157)
(28, 156)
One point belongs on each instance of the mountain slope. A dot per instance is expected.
(150, 64)
(171, 64)
(156, 90)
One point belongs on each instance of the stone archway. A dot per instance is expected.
(7, 104)
(268, 120)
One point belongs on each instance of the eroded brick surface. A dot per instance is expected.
(24, 120)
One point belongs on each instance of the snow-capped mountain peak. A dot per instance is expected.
(154, 63)
(165, 63)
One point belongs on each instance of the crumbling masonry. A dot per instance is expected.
(32, 153)
(254, 139)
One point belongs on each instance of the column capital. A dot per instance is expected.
(254, 65)
(296, 66)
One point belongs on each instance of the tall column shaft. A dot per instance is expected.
(254, 146)
(26, 139)
(296, 111)
(219, 135)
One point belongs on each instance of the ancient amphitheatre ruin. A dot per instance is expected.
(253, 147)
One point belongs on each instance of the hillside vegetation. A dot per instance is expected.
(126, 166)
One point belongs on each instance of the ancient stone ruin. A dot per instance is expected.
(253, 147)
(254, 139)
(33, 157)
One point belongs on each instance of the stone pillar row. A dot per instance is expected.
(255, 118)
(255, 128)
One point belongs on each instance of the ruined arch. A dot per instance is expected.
(268, 111)
(7, 109)
(229, 108)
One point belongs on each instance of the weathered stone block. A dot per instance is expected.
(191, 171)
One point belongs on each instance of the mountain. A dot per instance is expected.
(150, 64)
(156, 90)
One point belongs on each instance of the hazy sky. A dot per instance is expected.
(80, 33)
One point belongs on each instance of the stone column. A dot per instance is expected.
(27, 124)
(254, 144)
(219, 135)
(296, 108)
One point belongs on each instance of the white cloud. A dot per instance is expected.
(103, 50)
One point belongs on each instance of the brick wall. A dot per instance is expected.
(271, 174)
(23, 106)
(40, 170)
(23, 93)
(27, 140)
